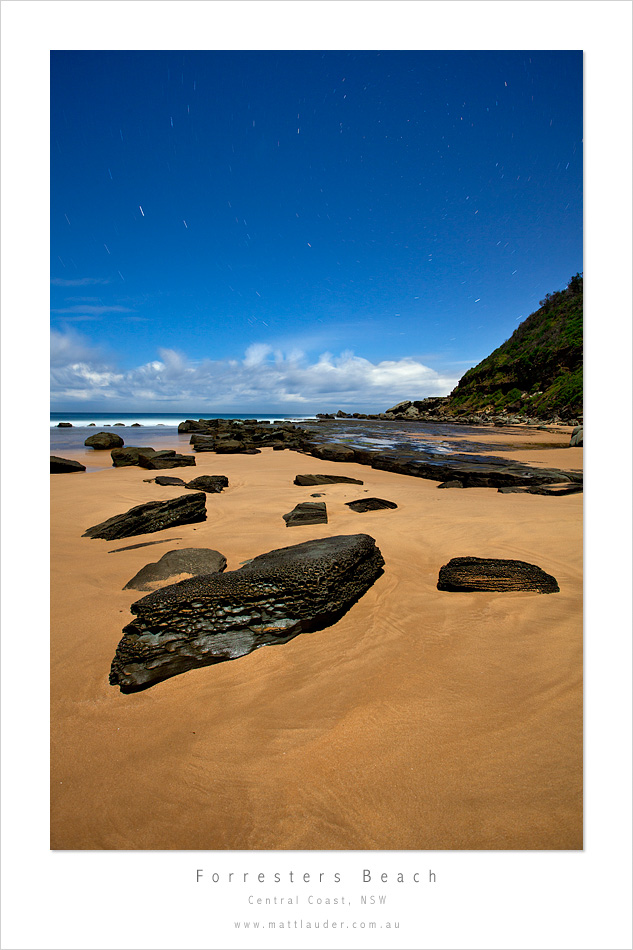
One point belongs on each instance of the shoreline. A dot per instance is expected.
(420, 720)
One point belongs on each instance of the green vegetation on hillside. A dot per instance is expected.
(538, 371)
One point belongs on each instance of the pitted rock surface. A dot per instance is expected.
(152, 516)
(182, 561)
(494, 574)
(271, 599)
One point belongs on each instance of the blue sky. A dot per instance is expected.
(302, 230)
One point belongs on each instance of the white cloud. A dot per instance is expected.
(263, 379)
(256, 353)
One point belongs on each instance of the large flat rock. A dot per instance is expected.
(271, 599)
(472, 471)
(152, 516)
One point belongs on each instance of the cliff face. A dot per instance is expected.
(538, 371)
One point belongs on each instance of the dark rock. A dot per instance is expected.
(160, 460)
(307, 512)
(573, 489)
(152, 516)
(136, 425)
(494, 574)
(104, 440)
(228, 447)
(471, 470)
(182, 561)
(400, 407)
(189, 425)
(59, 465)
(270, 600)
(333, 452)
(565, 489)
(167, 480)
(206, 446)
(370, 504)
(64, 425)
(209, 483)
(576, 437)
(451, 483)
(326, 480)
(129, 455)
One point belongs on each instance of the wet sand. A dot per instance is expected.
(421, 720)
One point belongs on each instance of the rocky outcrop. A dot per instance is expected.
(307, 512)
(494, 574)
(231, 447)
(104, 440)
(64, 425)
(59, 465)
(326, 480)
(370, 504)
(152, 516)
(333, 452)
(214, 617)
(472, 471)
(129, 455)
(183, 561)
(231, 436)
(209, 483)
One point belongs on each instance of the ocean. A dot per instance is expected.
(156, 429)
(160, 430)
(81, 419)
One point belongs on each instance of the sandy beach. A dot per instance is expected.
(421, 720)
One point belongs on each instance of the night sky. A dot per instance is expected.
(303, 231)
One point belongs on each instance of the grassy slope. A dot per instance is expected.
(538, 371)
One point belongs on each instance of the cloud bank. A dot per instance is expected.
(262, 379)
